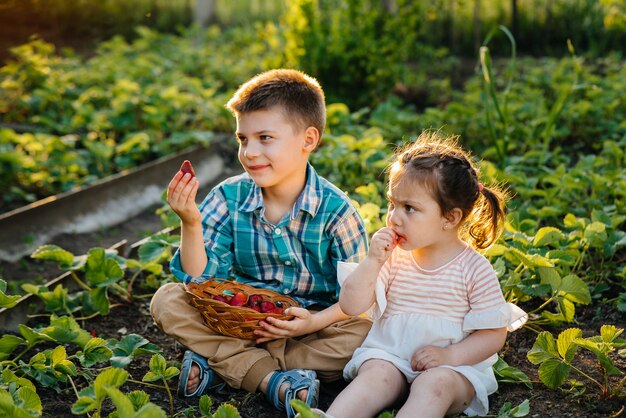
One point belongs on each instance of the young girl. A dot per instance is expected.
(439, 314)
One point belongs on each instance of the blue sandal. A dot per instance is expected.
(207, 375)
(298, 379)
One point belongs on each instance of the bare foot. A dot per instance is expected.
(194, 378)
(301, 394)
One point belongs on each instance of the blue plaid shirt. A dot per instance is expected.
(298, 256)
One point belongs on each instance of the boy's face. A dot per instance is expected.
(274, 151)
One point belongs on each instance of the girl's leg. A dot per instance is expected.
(438, 392)
(377, 385)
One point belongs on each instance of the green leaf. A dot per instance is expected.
(572, 221)
(150, 410)
(496, 250)
(9, 377)
(543, 349)
(101, 270)
(151, 250)
(8, 344)
(31, 336)
(171, 372)
(109, 378)
(553, 373)
(30, 401)
(508, 374)
(303, 409)
(610, 332)
(205, 405)
(575, 290)
(83, 405)
(100, 300)
(589, 344)
(567, 309)
(550, 276)
(226, 411)
(54, 253)
(158, 364)
(129, 347)
(565, 343)
(608, 365)
(122, 404)
(564, 257)
(66, 330)
(151, 377)
(95, 351)
(595, 233)
(139, 398)
(548, 235)
(520, 410)
(7, 301)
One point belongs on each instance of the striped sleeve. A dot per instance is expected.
(483, 287)
(488, 309)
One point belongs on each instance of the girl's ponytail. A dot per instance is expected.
(487, 219)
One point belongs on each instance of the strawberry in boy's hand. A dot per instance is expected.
(187, 168)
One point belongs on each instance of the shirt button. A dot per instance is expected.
(285, 291)
(287, 263)
(277, 231)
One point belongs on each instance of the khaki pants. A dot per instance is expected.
(243, 364)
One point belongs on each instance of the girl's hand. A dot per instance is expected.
(181, 196)
(273, 328)
(430, 356)
(382, 245)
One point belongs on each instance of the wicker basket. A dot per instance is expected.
(233, 321)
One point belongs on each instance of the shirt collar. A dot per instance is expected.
(308, 201)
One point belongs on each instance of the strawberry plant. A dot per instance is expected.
(555, 357)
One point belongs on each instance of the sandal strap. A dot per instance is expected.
(206, 376)
(298, 379)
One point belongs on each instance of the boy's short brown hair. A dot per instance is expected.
(300, 96)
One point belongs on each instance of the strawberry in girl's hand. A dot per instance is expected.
(187, 168)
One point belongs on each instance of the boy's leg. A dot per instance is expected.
(377, 385)
(239, 362)
(438, 392)
(326, 351)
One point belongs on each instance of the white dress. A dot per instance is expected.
(416, 307)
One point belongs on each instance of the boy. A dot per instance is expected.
(277, 226)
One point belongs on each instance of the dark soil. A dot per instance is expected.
(566, 402)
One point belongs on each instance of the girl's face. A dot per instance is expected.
(415, 216)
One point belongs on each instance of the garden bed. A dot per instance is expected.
(544, 402)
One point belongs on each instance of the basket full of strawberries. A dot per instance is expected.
(235, 309)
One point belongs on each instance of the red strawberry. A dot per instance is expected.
(220, 298)
(187, 168)
(267, 307)
(255, 300)
(278, 311)
(255, 307)
(238, 300)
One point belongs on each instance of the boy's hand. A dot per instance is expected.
(430, 356)
(273, 328)
(181, 196)
(382, 245)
